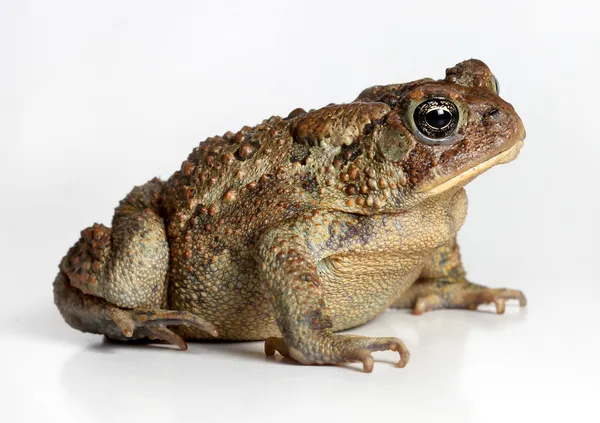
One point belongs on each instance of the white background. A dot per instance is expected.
(98, 96)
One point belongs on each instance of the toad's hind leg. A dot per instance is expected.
(113, 281)
(89, 313)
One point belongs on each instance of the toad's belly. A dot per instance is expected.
(360, 280)
(357, 288)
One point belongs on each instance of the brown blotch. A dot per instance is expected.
(265, 178)
(346, 121)
(349, 153)
(228, 158)
(418, 164)
(188, 168)
(296, 112)
(457, 150)
(245, 151)
(230, 196)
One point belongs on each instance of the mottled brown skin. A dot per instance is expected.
(299, 227)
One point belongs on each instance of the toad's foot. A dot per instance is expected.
(93, 314)
(466, 296)
(151, 324)
(340, 349)
(443, 284)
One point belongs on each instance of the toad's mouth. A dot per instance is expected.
(468, 175)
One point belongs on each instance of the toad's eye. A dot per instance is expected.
(436, 119)
(496, 85)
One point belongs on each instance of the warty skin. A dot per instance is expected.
(303, 226)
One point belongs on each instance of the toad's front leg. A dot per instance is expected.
(288, 257)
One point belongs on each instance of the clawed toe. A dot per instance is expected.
(276, 344)
(359, 348)
(468, 299)
(368, 363)
(427, 303)
(174, 318)
(152, 324)
(344, 349)
(159, 333)
(498, 297)
(402, 350)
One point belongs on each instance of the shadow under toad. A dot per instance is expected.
(211, 376)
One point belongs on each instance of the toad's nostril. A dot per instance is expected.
(491, 116)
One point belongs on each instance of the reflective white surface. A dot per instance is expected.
(465, 366)
(98, 96)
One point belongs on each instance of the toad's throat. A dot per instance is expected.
(465, 177)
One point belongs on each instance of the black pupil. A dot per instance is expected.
(438, 118)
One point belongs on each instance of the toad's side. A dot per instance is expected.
(302, 226)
